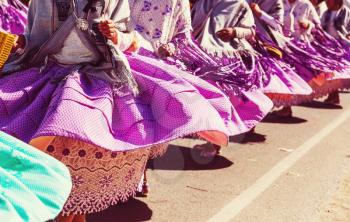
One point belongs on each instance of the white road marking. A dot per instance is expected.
(233, 208)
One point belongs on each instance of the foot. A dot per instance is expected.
(333, 98)
(208, 150)
(285, 112)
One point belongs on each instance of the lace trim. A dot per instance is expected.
(320, 91)
(158, 150)
(100, 177)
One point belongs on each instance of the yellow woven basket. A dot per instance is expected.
(6, 43)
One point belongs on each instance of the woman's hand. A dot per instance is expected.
(256, 9)
(135, 45)
(304, 24)
(226, 34)
(108, 30)
(20, 43)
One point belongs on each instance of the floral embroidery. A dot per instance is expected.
(65, 152)
(129, 175)
(146, 6)
(77, 181)
(158, 24)
(50, 149)
(114, 154)
(82, 153)
(106, 181)
(102, 178)
(157, 34)
(168, 9)
(98, 155)
(139, 28)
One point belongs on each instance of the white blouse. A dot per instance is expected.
(74, 51)
(299, 11)
(159, 21)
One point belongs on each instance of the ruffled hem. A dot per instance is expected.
(286, 99)
(321, 91)
(158, 150)
(101, 178)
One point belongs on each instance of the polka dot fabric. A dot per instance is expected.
(67, 103)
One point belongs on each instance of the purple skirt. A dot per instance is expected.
(59, 102)
(12, 19)
(286, 87)
(335, 50)
(249, 104)
(236, 73)
(323, 75)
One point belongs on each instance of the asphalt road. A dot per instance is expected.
(289, 171)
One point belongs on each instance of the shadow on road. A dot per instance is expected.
(320, 105)
(271, 118)
(248, 138)
(184, 158)
(131, 211)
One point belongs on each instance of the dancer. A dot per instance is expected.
(303, 21)
(165, 31)
(287, 86)
(297, 50)
(34, 186)
(166, 28)
(336, 22)
(91, 111)
(223, 29)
